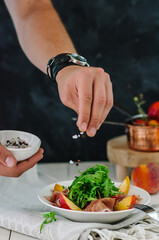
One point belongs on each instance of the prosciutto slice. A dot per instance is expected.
(101, 205)
(55, 197)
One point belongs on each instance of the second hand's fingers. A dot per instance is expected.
(21, 167)
(27, 164)
(109, 100)
(99, 100)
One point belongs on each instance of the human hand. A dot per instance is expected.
(9, 166)
(88, 91)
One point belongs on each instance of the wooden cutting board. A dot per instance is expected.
(119, 153)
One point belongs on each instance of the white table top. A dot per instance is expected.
(61, 171)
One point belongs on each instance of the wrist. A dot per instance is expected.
(64, 72)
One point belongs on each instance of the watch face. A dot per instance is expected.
(78, 60)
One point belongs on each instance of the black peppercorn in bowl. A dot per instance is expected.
(22, 145)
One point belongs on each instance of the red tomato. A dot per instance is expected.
(153, 111)
(140, 122)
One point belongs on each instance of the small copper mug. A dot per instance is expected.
(142, 138)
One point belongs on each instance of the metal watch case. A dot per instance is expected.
(78, 60)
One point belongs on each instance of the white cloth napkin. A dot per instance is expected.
(20, 211)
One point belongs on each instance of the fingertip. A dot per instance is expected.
(91, 132)
(41, 154)
(42, 150)
(38, 158)
(83, 127)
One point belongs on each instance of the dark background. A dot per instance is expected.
(120, 36)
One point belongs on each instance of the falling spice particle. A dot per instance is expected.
(75, 136)
(71, 162)
(78, 135)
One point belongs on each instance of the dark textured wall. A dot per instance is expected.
(120, 36)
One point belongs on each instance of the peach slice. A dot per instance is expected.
(67, 203)
(58, 187)
(125, 203)
(125, 185)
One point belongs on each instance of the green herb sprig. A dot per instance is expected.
(92, 184)
(49, 217)
(139, 101)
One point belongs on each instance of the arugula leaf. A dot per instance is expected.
(49, 217)
(92, 184)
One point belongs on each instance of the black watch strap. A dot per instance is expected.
(57, 63)
(52, 71)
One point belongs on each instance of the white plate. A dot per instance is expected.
(102, 217)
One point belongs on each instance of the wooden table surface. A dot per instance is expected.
(61, 171)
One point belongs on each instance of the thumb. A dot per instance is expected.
(6, 157)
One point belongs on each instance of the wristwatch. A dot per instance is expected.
(57, 63)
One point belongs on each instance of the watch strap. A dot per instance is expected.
(52, 71)
(59, 62)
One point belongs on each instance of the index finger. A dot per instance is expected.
(85, 102)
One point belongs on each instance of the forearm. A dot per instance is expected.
(39, 30)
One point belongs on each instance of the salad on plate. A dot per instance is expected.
(93, 191)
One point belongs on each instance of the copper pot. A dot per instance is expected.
(142, 138)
